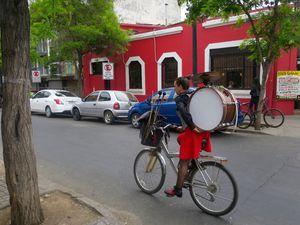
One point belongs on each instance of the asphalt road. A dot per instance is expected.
(96, 160)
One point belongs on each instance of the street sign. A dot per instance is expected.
(108, 71)
(288, 85)
(36, 76)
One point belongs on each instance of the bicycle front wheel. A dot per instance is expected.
(273, 118)
(246, 121)
(213, 188)
(149, 171)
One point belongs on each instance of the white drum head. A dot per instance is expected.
(206, 108)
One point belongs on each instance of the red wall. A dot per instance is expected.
(182, 44)
(287, 61)
(207, 36)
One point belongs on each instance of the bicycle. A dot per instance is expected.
(272, 117)
(211, 186)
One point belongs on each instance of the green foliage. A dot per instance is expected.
(76, 26)
(276, 25)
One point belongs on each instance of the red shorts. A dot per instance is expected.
(190, 143)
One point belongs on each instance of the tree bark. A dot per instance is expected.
(79, 72)
(266, 66)
(16, 126)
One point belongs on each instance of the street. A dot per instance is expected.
(97, 160)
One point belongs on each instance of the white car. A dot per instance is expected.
(53, 102)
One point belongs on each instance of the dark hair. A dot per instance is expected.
(184, 82)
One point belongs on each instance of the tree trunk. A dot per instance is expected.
(79, 72)
(18, 152)
(266, 69)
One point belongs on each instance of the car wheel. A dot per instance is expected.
(48, 112)
(134, 120)
(108, 117)
(76, 114)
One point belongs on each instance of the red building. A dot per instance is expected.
(158, 54)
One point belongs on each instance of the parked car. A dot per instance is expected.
(109, 105)
(167, 107)
(53, 102)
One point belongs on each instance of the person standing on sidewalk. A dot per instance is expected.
(190, 140)
(254, 93)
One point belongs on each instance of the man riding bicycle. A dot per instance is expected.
(190, 139)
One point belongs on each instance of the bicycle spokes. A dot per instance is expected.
(213, 188)
(207, 177)
(149, 171)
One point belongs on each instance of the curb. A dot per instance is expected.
(107, 214)
(249, 131)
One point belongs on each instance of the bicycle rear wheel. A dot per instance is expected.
(246, 121)
(149, 171)
(273, 118)
(213, 188)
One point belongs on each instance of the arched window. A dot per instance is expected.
(169, 67)
(135, 75)
(169, 72)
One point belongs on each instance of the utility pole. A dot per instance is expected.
(166, 14)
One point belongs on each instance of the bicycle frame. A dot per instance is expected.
(264, 108)
(171, 155)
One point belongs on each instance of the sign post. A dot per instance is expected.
(288, 85)
(108, 71)
(36, 76)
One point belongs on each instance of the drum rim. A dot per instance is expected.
(215, 88)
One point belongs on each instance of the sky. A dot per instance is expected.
(183, 12)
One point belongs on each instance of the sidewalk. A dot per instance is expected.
(290, 128)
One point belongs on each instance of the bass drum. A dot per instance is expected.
(212, 107)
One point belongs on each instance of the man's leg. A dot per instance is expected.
(251, 107)
(182, 172)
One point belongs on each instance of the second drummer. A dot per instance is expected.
(190, 139)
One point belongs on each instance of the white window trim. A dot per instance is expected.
(135, 91)
(232, 20)
(103, 59)
(156, 33)
(220, 45)
(159, 67)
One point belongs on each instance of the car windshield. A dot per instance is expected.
(125, 97)
(64, 94)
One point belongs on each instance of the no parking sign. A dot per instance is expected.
(108, 71)
(36, 76)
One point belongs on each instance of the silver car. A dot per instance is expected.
(109, 105)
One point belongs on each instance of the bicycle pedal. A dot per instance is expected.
(186, 185)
